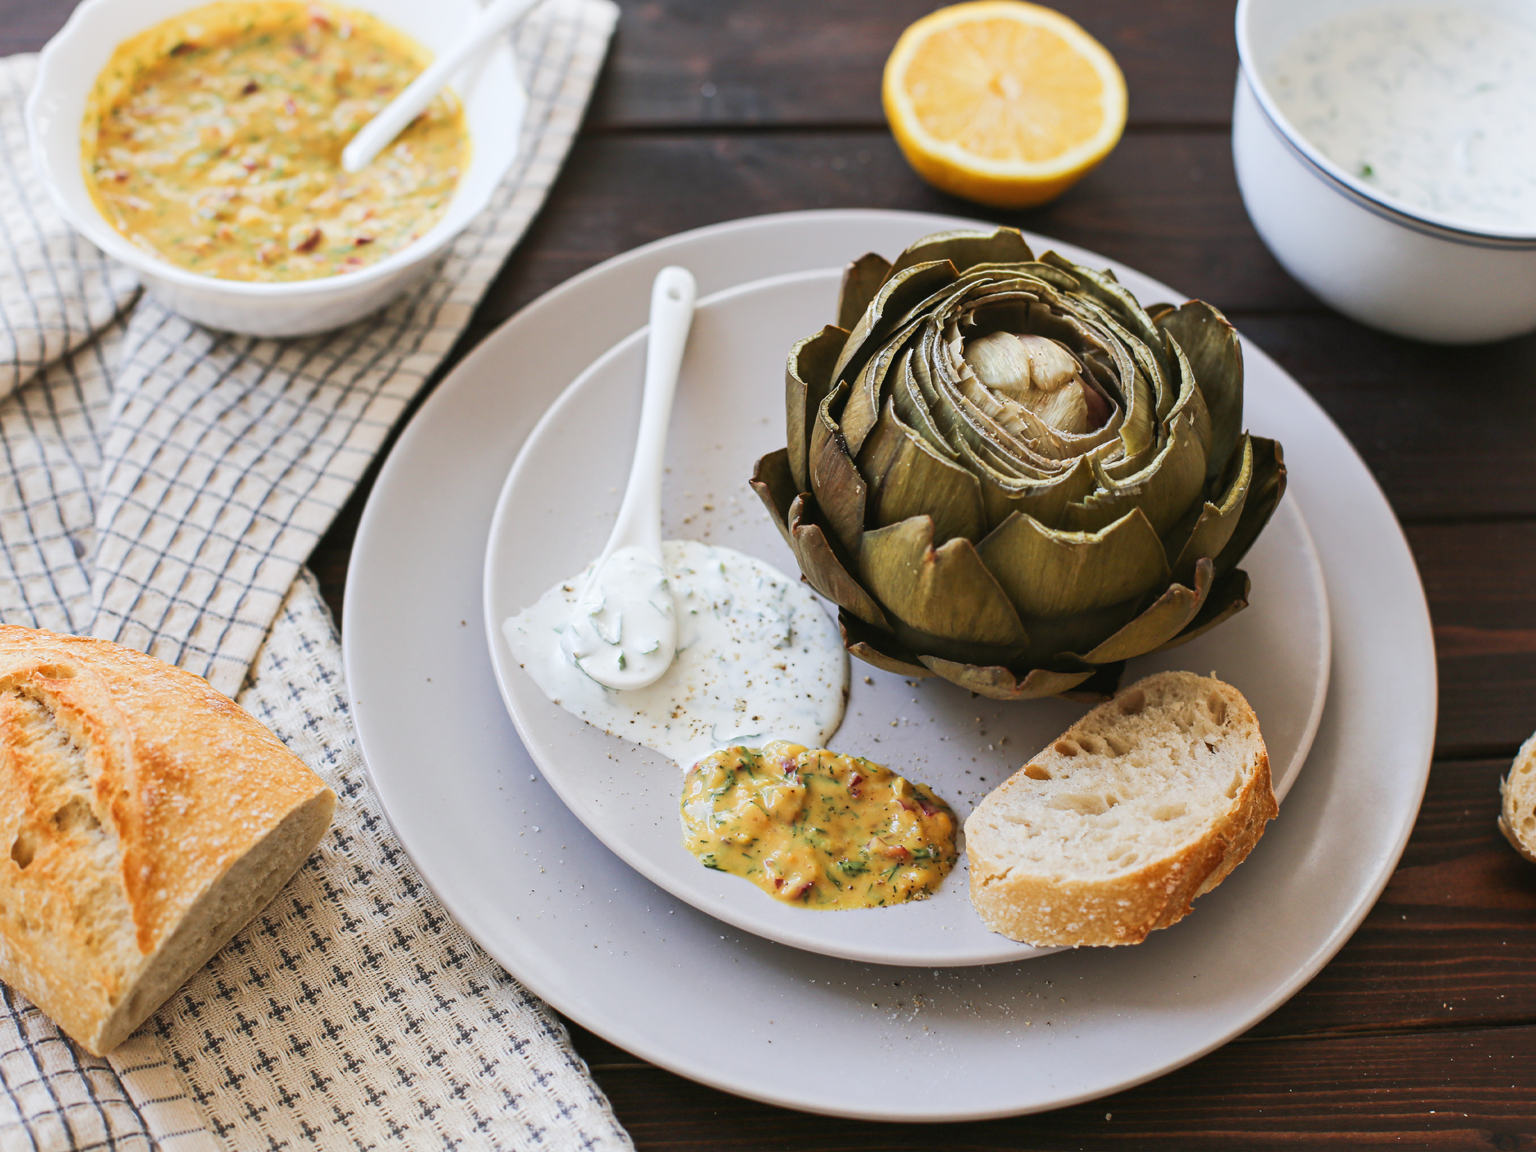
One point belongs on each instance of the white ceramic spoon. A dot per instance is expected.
(623, 631)
(374, 136)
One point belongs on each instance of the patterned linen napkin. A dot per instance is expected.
(161, 485)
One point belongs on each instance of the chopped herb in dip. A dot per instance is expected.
(1434, 107)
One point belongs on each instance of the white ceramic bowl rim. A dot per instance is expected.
(1387, 207)
(96, 228)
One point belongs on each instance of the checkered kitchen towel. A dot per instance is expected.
(161, 485)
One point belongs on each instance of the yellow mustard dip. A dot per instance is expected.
(814, 828)
(214, 140)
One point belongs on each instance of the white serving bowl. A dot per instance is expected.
(1374, 258)
(494, 103)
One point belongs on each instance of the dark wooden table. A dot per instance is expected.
(1422, 1031)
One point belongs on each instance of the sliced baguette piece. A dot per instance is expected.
(1113, 829)
(144, 818)
(1518, 819)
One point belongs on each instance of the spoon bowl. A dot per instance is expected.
(376, 135)
(624, 631)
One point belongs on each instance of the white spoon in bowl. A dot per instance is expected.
(374, 136)
(623, 630)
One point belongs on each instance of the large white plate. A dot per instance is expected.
(647, 971)
(553, 517)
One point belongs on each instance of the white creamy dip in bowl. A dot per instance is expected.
(1378, 151)
(493, 101)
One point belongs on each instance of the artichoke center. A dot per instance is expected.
(1041, 375)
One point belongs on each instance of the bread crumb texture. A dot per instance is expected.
(1113, 829)
(129, 791)
(1517, 818)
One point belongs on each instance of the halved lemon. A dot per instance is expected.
(1002, 102)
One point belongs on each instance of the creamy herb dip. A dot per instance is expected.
(214, 141)
(815, 828)
(757, 659)
(1435, 107)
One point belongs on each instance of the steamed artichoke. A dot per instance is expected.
(1009, 474)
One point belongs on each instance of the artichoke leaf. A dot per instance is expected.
(1113, 463)
(840, 490)
(967, 427)
(1192, 401)
(946, 648)
(907, 478)
(792, 512)
(1216, 354)
(988, 289)
(1264, 492)
(1106, 289)
(823, 569)
(878, 647)
(1058, 278)
(1045, 499)
(861, 280)
(973, 292)
(1216, 521)
(945, 592)
(1109, 292)
(1229, 596)
(998, 683)
(1151, 366)
(966, 248)
(1018, 422)
(1051, 573)
(807, 378)
(1164, 490)
(1021, 312)
(862, 410)
(922, 375)
(956, 417)
(952, 426)
(1138, 432)
(1163, 619)
(999, 309)
(912, 407)
(991, 442)
(1052, 642)
(886, 312)
(776, 488)
(1027, 468)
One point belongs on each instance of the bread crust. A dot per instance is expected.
(142, 814)
(1121, 909)
(1518, 793)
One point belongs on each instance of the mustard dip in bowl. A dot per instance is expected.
(323, 260)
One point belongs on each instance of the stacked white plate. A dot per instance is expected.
(712, 995)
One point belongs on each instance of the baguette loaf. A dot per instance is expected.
(144, 818)
(1145, 803)
(1518, 819)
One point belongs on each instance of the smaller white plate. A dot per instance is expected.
(555, 510)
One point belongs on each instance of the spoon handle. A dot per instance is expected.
(672, 299)
(376, 135)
